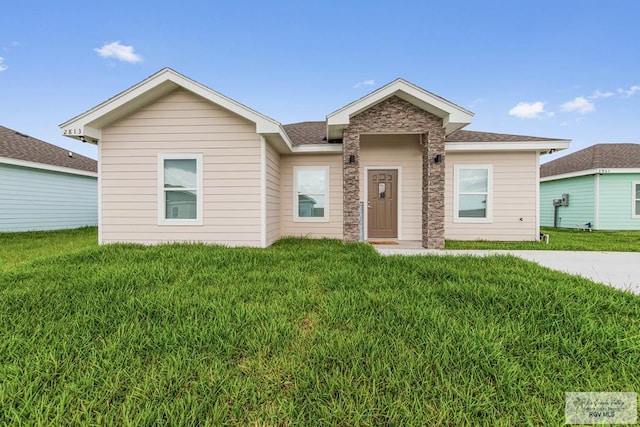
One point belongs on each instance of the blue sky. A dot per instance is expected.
(565, 69)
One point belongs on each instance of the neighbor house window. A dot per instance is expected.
(311, 193)
(180, 189)
(473, 193)
(636, 199)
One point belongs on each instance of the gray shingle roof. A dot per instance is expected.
(16, 145)
(475, 136)
(599, 156)
(304, 133)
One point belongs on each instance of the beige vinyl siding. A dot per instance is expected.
(514, 197)
(181, 122)
(273, 194)
(392, 151)
(331, 229)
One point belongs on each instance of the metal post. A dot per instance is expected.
(361, 221)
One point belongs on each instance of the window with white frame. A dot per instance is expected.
(473, 193)
(311, 193)
(636, 199)
(180, 189)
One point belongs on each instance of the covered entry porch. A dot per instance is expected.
(391, 187)
(393, 163)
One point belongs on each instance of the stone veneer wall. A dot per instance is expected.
(390, 116)
(433, 189)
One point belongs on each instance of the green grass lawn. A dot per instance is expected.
(21, 248)
(564, 240)
(307, 332)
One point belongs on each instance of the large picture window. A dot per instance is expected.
(311, 193)
(180, 189)
(473, 193)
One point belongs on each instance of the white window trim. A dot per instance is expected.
(296, 217)
(489, 218)
(633, 199)
(162, 219)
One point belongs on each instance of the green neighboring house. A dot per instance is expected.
(43, 186)
(602, 188)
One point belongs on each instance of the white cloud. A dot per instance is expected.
(364, 83)
(476, 101)
(11, 45)
(119, 51)
(599, 94)
(579, 105)
(628, 93)
(528, 110)
(2, 66)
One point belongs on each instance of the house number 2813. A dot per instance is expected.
(75, 131)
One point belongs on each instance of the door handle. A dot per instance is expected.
(369, 205)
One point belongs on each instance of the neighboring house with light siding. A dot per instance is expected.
(393, 165)
(44, 187)
(603, 187)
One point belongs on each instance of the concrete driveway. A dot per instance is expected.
(618, 269)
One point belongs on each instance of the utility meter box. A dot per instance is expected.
(565, 200)
(556, 202)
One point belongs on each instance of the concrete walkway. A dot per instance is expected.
(618, 269)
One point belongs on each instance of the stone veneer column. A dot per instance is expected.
(351, 183)
(433, 189)
(397, 116)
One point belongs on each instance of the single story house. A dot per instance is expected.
(44, 187)
(601, 185)
(181, 162)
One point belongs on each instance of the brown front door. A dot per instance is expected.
(382, 204)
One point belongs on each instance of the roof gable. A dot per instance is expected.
(454, 117)
(305, 137)
(599, 156)
(23, 150)
(87, 126)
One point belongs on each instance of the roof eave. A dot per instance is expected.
(47, 167)
(333, 148)
(539, 146)
(278, 138)
(586, 172)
